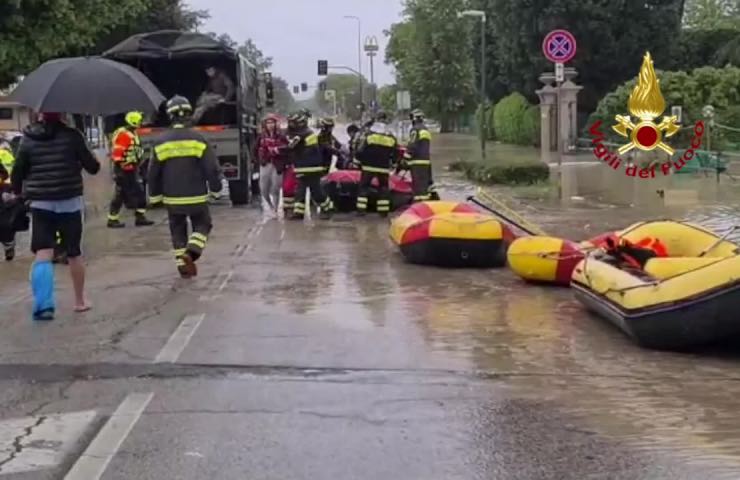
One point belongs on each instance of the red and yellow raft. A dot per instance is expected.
(450, 234)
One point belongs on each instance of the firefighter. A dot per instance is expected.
(308, 165)
(418, 158)
(126, 154)
(7, 203)
(182, 165)
(376, 153)
(328, 143)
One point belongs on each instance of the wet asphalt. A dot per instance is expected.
(316, 352)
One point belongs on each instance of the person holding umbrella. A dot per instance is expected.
(48, 172)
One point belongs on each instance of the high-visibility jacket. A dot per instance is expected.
(419, 147)
(377, 149)
(7, 161)
(126, 149)
(307, 158)
(183, 169)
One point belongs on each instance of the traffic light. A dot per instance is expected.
(296, 90)
(322, 86)
(304, 87)
(323, 67)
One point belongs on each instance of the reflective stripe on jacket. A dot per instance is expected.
(307, 158)
(7, 161)
(377, 150)
(419, 148)
(185, 168)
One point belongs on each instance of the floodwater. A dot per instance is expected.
(342, 285)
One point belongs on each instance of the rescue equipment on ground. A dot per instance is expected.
(342, 186)
(450, 234)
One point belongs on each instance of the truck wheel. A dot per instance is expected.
(239, 192)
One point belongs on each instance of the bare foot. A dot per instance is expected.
(83, 308)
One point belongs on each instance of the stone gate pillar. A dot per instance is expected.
(548, 116)
(568, 116)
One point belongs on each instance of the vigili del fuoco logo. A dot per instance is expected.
(646, 104)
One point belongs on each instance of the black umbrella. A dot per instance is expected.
(89, 86)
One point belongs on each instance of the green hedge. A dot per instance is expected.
(719, 87)
(513, 174)
(515, 121)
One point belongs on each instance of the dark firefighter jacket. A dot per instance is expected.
(419, 149)
(330, 146)
(183, 163)
(377, 149)
(306, 152)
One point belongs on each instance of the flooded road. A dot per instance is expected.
(312, 350)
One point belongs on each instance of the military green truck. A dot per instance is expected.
(176, 63)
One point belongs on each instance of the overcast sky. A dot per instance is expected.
(297, 33)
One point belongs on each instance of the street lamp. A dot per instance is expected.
(359, 51)
(371, 48)
(484, 118)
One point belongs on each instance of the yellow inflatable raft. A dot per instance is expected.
(690, 297)
(544, 259)
(450, 234)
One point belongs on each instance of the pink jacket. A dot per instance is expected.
(268, 147)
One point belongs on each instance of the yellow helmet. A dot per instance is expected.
(134, 119)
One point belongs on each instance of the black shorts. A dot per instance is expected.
(46, 224)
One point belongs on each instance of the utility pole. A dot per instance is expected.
(483, 98)
(359, 53)
(371, 48)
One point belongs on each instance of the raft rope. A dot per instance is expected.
(485, 199)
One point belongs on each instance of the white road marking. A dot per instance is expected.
(226, 281)
(92, 463)
(180, 339)
(35, 443)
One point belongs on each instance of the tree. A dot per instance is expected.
(248, 50)
(33, 31)
(346, 86)
(612, 38)
(284, 101)
(692, 91)
(158, 15)
(712, 14)
(432, 59)
(387, 97)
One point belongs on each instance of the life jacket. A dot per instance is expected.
(634, 254)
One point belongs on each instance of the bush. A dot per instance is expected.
(730, 117)
(512, 174)
(719, 87)
(512, 120)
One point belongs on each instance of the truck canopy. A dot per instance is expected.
(175, 62)
(169, 44)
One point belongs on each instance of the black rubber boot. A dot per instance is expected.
(9, 253)
(142, 221)
(116, 224)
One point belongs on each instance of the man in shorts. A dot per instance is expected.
(48, 172)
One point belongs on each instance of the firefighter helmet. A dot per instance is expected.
(134, 119)
(327, 122)
(297, 121)
(416, 115)
(381, 116)
(179, 106)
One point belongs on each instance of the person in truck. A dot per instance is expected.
(219, 89)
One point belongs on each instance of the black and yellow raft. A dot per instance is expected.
(450, 234)
(689, 298)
